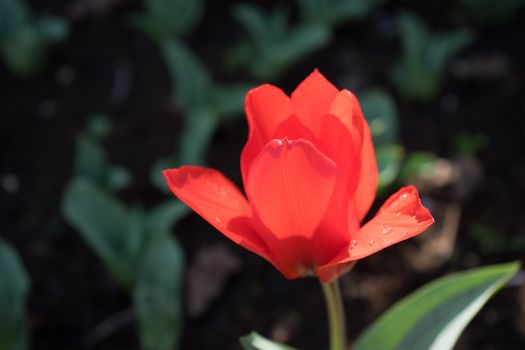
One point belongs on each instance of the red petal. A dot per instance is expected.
(401, 217)
(337, 143)
(218, 201)
(289, 186)
(346, 108)
(312, 99)
(266, 108)
(333, 233)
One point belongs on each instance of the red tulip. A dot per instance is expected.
(310, 176)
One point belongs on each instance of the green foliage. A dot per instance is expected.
(190, 79)
(108, 226)
(272, 45)
(164, 19)
(138, 250)
(255, 341)
(466, 143)
(419, 72)
(14, 286)
(206, 105)
(389, 158)
(194, 88)
(117, 234)
(489, 241)
(492, 11)
(91, 162)
(380, 112)
(157, 296)
(418, 165)
(434, 316)
(25, 41)
(334, 12)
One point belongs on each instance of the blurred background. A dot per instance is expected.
(98, 96)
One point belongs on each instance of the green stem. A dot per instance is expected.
(336, 315)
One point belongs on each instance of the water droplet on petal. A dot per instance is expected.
(404, 195)
(371, 242)
(386, 230)
(217, 219)
(398, 214)
(353, 244)
(405, 232)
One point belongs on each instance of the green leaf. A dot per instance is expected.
(227, 101)
(445, 46)
(52, 29)
(13, 292)
(255, 341)
(24, 43)
(90, 160)
(389, 159)
(155, 173)
(98, 126)
(417, 164)
(112, 231)
(419, 72)
(259, 25)
(157, 296)
(117, 178)
(14, 15)
(380, 111)
(24, 51)
(434, 316)
(90, 157)
(199, 127)
(190, 77)
(166, 18)
(272, 46)
(164, 216)
(299, 42)
(335, 12)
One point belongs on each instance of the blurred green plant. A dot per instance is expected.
(24, 40)
(434, 316)
(379, 109)
(420, 71)
(489, 241)
(138, 250)
(418, 165)
(255, 341)
(492, 11)
(14, 286)
(205, 105)
(164, 19)
(91, 161)
(272, 45)
(335, 12)
(470, 144)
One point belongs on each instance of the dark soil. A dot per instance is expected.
(72, 292)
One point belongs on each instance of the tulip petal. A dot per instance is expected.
(290, 185)
(347, 109)
(401, 217)
(337, 143)
(218, 201)
(266, 108)
(333, 233)
(312, 99)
